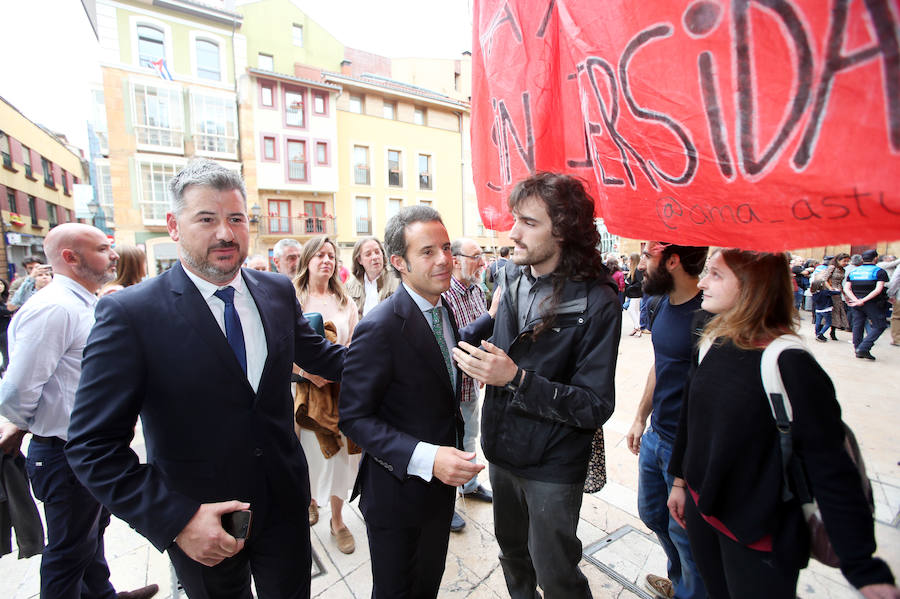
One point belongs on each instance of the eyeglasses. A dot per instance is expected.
(475, 257)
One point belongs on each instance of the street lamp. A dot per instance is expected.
(255, 214)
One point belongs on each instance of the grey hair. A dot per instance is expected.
(856, 259)
(456, 248)
(395, 230)
(206, 173)
(283, 244)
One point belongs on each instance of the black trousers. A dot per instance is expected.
(408, 563)
(731, 570)
(536, 523)
(277, 554)
(73, 564)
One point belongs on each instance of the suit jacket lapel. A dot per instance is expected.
(418, 332)
(193, 309)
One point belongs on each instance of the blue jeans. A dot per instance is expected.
(73, 564)
(870, 320)
(471, 420)
(654, 484)
(823, 323)
(645, 312)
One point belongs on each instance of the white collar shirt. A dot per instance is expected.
(251, 322)
(46, 344)
(371, 294)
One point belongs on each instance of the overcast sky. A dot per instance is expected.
(50, 56)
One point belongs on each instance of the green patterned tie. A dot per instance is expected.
(437, 325)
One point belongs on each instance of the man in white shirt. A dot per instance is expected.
(46, 339)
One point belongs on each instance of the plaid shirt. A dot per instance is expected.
(467, 304)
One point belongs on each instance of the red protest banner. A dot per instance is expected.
(764, 124)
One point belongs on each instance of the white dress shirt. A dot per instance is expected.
(421, 463)
(371, 291)
(251, 323)
(46, 342)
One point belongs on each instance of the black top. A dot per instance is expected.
(726, 450)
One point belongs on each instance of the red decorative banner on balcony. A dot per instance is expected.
(765, 124)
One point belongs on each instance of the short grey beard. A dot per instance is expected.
(210, 272)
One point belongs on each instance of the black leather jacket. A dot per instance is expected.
(543, 431)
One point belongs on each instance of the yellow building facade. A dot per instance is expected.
(38, 174)
(397, 146)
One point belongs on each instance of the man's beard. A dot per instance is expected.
(209, 270)
(659, 282)
(98, 277)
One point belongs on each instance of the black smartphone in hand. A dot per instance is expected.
(237, 524)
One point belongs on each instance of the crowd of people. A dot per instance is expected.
(292, 392)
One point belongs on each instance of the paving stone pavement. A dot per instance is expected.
(619, 549)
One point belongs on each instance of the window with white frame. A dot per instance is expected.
(26, 160)
(356, 103)
(269, 148)
(214, 124)
(98, 120)
(4, 150)
(208, 66)
(154, 193)
(419, 116)
(395, 174)
(361, 216)
(265, 62)
(361, 165)
(295, 108)
(425, 172)
(320, 102)
(104, 190)
(393, 207)
(297, 35)
(390, 110)
(267, 93)
(151, 45)
(322, 153)
(425, 202)
(158, 117)
(52, 215)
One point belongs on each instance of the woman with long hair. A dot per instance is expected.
(371, 281)
(633, 293)
(130, 269)
(747, 541)
(835, 275)
(319, 289)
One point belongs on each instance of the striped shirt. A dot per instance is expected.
(468, 303)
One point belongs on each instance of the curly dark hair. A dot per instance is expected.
(571, 211)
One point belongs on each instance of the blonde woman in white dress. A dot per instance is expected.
(320, 290)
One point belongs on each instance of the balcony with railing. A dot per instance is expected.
(297, 170)
(363, 225)
(395, 178)
(425, 181)
(301, 225)
(361, 174)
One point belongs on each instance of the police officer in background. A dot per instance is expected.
(864, 288)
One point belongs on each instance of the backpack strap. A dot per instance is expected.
(783, 414)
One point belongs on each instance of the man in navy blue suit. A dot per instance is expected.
(203, 354)
(400, 402)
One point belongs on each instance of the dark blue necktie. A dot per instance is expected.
(233, 330)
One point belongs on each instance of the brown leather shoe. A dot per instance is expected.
(343, 538)
(141, 593)
(313, 514)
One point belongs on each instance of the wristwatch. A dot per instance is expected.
(514, 384)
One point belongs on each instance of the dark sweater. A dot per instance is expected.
(726, 450)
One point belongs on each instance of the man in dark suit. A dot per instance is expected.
(203, 354)
(400, 402)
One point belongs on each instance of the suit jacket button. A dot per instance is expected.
(257, 452)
